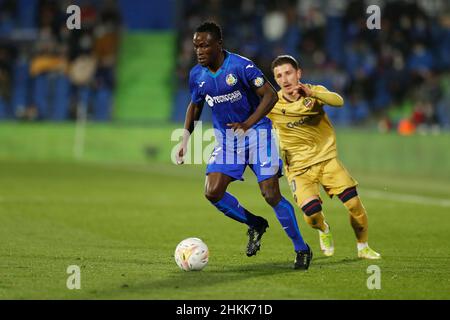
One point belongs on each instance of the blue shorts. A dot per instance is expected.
(260, 153)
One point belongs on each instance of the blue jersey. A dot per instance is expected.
(230, 92)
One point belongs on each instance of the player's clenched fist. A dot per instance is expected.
(303, 90)
(238, 127)
(181, 153)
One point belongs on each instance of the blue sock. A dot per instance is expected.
(286, 215)
(230, 206)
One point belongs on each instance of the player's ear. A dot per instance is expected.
(299, 73)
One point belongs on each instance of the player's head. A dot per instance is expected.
(207, 43)
(286, 71)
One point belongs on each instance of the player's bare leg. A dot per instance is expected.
(313, 216)
(216, 184)
(270, 190)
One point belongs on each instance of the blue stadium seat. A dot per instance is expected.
(361, 111)
(144, 14)
(334, 42)
(382, 98)
(61, 98)
(84, 94)
(102, 104)
(443, 113)
(21, 79)
(345, 115)
(333, 114)
(27, 12)
(40, 95)
(292, 40)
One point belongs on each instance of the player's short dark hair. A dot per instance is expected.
(212, 28)
(285, 59)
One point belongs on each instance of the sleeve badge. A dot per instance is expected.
(258, 82)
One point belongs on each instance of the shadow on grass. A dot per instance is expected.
(183, 282)
(326, 261)
(174, 282)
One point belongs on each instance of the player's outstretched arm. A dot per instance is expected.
(320, 93)
(327, 97)
(193, 113)
(268, 100)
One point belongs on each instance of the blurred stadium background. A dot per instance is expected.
(126, 72)
(86, 118)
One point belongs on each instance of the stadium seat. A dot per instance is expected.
(334, 39)
(382, 97)
(102, 104)
(443, 113)
(40, 95)
(346, 114)
(27, 12)
(21, 80)
(333, 114)
(84, 95)
(361, 111)
(61, 98)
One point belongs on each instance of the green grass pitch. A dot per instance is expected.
(121, 223)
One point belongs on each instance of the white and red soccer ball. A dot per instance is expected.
(191, 254)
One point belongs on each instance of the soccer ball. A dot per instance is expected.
(191, 254)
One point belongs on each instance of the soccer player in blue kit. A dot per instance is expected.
(240, 98)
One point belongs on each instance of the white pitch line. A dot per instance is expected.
(370, 193)
(374, 194)
(406, 198)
